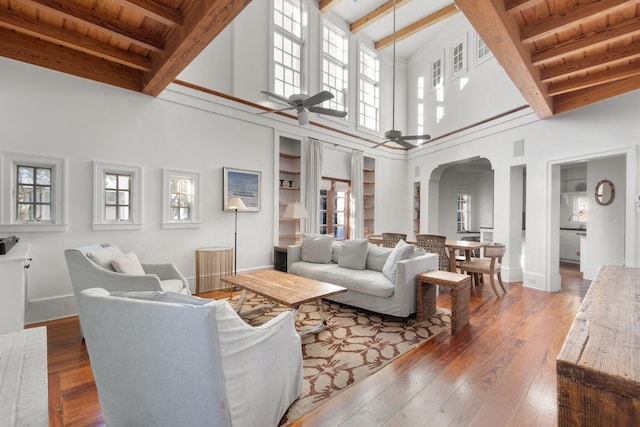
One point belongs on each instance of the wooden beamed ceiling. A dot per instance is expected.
(141, 45)
(562, 54)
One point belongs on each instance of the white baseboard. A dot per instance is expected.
(534, 281)
(43, 310)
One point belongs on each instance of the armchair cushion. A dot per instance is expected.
(128, 264)
(105, 256)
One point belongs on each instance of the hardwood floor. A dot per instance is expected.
(499, 371)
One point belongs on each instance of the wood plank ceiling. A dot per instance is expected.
(140, 45)
(562, 54)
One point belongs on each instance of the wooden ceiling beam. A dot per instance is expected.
(516, 6)
(608, 35)
(373, 16)
(572, 100)
(610, 57)
(22, 47)
(501, 35)
(418, 26)
(575, 16)
(14, 21)
(325, 5)
(203, 21)
(156, 10)
(91, 18)
(595, 79)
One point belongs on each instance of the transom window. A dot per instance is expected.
(464, 212)
(335, 59)
(288, 47)
(117, 200)
(34, 193)
(369, 90)
(334, 207)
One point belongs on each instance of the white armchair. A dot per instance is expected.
(91, 266)
(166, 359)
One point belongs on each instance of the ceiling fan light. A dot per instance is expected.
(303, 117)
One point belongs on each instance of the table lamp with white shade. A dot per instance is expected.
(236, 204)
(295, 211)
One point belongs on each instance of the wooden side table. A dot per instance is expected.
(460, 285)
(212, 263)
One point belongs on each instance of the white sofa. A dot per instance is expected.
(368, 288)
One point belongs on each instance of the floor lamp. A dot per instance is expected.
(295, 211)
(237, 204)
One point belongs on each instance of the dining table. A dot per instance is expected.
(463, 245)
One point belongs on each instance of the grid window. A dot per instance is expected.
(420, 88)
(180, 199)
(420, 118)
(482, 50)
(33, 201)
(457, 59)
(369, 91)
(436, 73)
(463, 214)
(117, 200)
(335, 54)
(287, 47)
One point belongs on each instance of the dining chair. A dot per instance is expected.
(491, 265)
(434, 243)
(389, 240)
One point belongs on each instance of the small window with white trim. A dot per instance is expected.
(180, 199)
(482, 50)
(34, 193)
(458, 62)
(117, 197)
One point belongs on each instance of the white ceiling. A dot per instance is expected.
(408, 13)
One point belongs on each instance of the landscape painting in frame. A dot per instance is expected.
(244, 184)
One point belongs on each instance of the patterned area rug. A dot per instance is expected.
(358, 344)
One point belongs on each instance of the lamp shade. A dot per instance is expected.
(295, 210)
(236, 203)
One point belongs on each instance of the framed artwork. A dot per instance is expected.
(244, 184)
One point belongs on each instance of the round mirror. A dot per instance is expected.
(605, 192)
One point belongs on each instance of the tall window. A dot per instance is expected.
(420, 110)
(117, 200)
(288, 46)
(335, 61)
(464, 212)
(334, 207)
(369, 90)
(457, 59)
(34, 193)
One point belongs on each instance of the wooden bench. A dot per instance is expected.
(460, 285)
(598, 368)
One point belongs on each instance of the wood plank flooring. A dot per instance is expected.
(499, 371)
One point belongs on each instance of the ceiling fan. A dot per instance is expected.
(305, 103)
(394, 135)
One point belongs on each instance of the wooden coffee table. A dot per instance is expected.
(286, 289)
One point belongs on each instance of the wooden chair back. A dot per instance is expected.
(389, 240)
(435, 244)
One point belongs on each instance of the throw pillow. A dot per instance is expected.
(419, 252)
(353, 254)
(128, 264)
(316, 248)
(377, 256)
(403, 250)
(104, 256)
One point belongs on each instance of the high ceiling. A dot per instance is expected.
(561, 54)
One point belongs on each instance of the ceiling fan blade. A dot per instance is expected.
(303, 117)
(381, 143)
(275, 111)
(409, 137)
(278, 97)
(405, 144)
(318, 98)
(328, 111)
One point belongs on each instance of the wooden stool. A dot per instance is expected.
(460, 285)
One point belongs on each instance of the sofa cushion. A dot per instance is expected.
(362, 281)
(353, 254)
(336, 246)
(316, 248)
(104, 256)
(377, 256)
(403, 250)
(128, 264)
